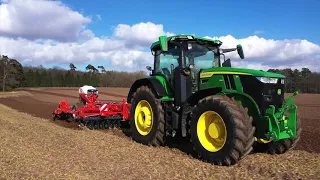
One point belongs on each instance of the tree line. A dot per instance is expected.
(14, 75)
(58, 77)
(303, 81)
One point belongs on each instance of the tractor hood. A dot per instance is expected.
(230, 70)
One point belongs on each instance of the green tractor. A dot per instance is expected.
(225, 112)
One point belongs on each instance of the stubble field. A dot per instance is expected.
(33, 146)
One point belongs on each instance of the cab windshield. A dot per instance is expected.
(200, 56)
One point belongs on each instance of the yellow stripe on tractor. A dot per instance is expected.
(209, 74)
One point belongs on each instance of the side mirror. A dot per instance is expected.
(149, 68)
(226, 63)
(240, 51)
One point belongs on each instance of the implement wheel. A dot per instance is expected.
(221, 130)
(278, 147)
(147, 118)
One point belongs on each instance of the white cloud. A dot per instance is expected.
(269, 53)
(260, 53)
(93, 50)
(140, 35)
(31, 37)
(42, 20)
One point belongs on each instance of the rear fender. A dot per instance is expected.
(194, 98)
(151, 82)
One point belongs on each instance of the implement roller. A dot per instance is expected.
(95, 114)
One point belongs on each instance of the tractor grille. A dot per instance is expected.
(263, 94)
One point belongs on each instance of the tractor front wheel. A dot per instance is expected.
(221, 130)
(147, 121)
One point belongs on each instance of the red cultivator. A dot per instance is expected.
(95, 114)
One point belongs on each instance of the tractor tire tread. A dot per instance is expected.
(242, 124)
(159, 137)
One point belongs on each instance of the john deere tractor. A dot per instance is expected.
(226, 112)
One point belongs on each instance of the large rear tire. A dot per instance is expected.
(221, 130)
(147, 121)
(281, 146)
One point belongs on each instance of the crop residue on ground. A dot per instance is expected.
(34, 147)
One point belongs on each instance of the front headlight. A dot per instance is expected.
(267, 80)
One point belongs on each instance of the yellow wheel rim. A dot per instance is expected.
(211, 130)
(143, 117)
(260, 140)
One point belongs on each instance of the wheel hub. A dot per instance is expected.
(211, 131)
(143, 117)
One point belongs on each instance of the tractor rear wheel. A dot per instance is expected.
(281, 146)
(221, 130)
(147, 118)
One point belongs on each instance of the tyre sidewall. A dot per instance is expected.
(224, 112)
(149, 97)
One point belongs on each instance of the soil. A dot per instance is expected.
(42, 102)
(35, 108)
(38, 105)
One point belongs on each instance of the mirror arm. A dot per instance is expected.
(224, 57)
(228, 50)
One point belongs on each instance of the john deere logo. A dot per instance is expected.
(279, 91)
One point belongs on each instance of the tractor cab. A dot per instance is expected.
(180, 59)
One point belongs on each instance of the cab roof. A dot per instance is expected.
(189, 36)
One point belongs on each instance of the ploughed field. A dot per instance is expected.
(33, 146)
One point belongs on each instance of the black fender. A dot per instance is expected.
(194, 98)
(151, 82)
(192, 101)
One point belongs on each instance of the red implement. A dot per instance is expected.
(63, 111)
(95, 114)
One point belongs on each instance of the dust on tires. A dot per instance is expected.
(156, 136)
(240, 132)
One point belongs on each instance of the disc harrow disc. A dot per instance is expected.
(96, 125)
(101, 125)
(90, 125)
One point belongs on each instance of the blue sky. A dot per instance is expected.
(271, 19)
(277, 19)
(274, 34)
